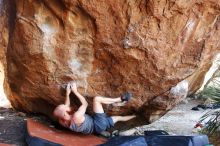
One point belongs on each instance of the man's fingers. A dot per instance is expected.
(68, 85)
(73, 85)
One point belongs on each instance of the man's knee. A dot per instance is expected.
(97, 99)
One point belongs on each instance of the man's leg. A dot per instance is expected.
(99, 100)
(98, 109)
(122, 118)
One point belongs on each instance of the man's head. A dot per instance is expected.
(61, 112)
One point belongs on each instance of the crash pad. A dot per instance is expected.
(3, 144)
(158, 140)
(39, 134)
(126, 141)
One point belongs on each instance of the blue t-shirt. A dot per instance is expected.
(86, 127)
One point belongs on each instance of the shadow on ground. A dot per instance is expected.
(12, 127)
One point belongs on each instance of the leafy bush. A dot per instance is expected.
(211, 119)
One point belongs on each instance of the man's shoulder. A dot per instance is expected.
(78, 118)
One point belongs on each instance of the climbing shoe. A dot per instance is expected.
(126, 96)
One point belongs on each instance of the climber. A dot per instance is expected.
(79, 121)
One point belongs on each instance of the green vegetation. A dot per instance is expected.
(211, 118)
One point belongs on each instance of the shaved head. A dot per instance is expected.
(59, 111)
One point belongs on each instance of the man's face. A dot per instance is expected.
(65, 118)
(62, 113)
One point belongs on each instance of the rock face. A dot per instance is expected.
(158, 50)
(4, 35)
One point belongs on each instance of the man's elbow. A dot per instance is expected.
(85, 104)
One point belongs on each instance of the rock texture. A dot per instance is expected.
(158, 50)
(4, 36)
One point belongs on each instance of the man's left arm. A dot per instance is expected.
(67, 99)
(79, 115)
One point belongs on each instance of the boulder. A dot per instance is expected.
(158, 50)
(4, 37)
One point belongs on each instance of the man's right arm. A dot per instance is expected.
(79, 114)
(67, 98)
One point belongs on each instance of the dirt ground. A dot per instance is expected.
(179, 120)
(12, 127)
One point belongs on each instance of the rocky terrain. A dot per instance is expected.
(179, 121)
(159, 50)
